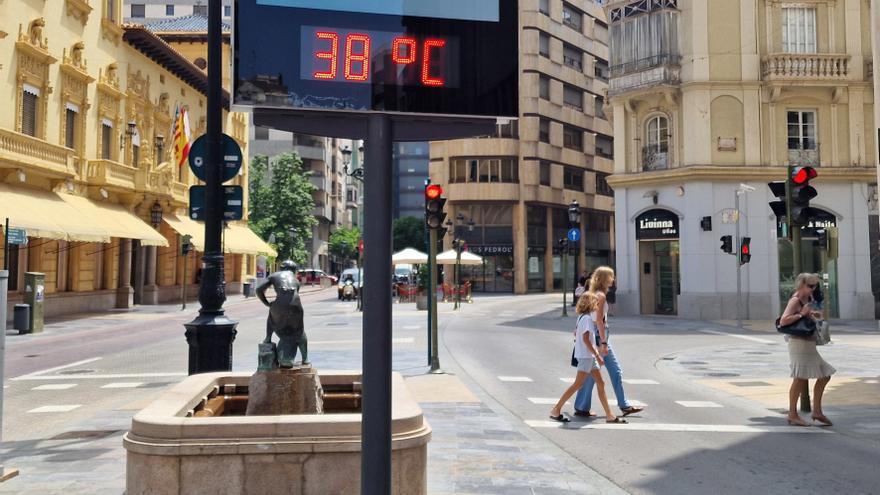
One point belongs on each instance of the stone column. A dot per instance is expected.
(151, 290)
(124, 291)
(139, 272)
(520, 249)
(548, 255)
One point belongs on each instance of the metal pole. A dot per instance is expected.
(875, 58)
(564, 277)
(6, 247)
(376, 427)
(797, 266)
(183, 285)
(5, 474)
(739, 322)
(457, 274)
(211, 334)
(432, 265)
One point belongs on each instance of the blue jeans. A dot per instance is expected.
(585, 395)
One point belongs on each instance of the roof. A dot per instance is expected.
(143, 40)
(185, 24)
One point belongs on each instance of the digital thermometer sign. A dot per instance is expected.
(459, 60)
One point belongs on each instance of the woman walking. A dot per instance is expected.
(588, 358)
(601, 281)
(806, 363)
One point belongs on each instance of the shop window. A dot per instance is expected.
(544, 87)
(138, 11)
(572, 57)
(30, 100)
(572, 18)
(544, 44)
(544, 7)
(602, 187)
(544, 173)
(573, 179)
(799, 30)
(573, 97)
(544, 131)
(573, 138)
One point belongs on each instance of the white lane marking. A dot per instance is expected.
(737, 336)
(697, 403)
(100, 377)
(566, 380)
(55, 386)
(50, 370)
(123, 385)
(600, 425)
(544, 401)
(639, 381)
(515, 379)
(412, 327)
(51, 409)
(404, 340)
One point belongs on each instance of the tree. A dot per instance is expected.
(409, 232)
(344, 243)
(280, 197)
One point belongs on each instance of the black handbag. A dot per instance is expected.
(804, 327)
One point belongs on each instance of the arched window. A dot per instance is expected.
(656, 148)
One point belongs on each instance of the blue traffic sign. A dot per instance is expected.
(231, 157)
(233, 203)
(18, 236)
(574, 235)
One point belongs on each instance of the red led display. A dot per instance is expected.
(427, 78)
(352, 58)
(397, 50)
(331, 55)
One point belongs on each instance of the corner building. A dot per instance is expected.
(517, 184)
(708, 95)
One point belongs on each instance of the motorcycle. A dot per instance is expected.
(348, 291)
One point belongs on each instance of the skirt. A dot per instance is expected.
(806, 362)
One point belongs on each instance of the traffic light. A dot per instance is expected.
(801, 194)
(727, 244)
(434, 202)
(185, 244)
(745, 252)
(778, 206)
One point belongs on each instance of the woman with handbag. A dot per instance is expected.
(806, 363)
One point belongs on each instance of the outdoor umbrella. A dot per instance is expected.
(467, 258)
(409, 256)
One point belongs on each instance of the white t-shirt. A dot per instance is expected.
(584, 326)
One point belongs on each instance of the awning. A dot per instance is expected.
(45, 214)
(466, 258)
(115, 220)
(240, 239)
(409, 256)
(184, 225)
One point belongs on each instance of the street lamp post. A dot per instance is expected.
(574, 220)
(291, 234)
(458, 245)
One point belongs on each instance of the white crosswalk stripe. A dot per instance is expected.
(123, 385)
(698, 403)
(52, 409)
(55, 386)
(515, 379)
(660, 427)
(544, 401)
(639, 381)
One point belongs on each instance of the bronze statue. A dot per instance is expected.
(285, 319)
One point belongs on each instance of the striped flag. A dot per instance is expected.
(180, 133)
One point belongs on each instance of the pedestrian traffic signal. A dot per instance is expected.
(434, 202)
(778, 206)
(745, 252)
(801, 194)
(727, 244)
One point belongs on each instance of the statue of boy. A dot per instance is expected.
(285, 315)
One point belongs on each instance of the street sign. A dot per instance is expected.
(456, 57)
(233, 203)
(18, 236)
(231, 158)
(574, 235)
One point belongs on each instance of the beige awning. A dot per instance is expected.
(184, 225)
(115, 220)
(240, 239)
(45, 214)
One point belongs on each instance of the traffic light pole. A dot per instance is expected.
(739, 321)
(432, 300)
(797, 266)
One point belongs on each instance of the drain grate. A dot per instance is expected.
(85, 434)
(76, 372)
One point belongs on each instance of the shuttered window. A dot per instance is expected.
(70, 128)
(106, 140)
(29, 113)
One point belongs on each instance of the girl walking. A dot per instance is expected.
(589, 360)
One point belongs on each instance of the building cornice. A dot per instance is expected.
(732, 174)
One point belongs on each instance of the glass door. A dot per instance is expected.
(667, 279)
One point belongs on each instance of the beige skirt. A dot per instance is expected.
(806, 362)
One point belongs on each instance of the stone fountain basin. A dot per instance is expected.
(170, 451)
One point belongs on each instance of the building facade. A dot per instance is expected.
(710, 95)
(144, 11)
(515, 186)
(85, 159)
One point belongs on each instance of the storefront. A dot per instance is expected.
(657, 233)
(496, 272)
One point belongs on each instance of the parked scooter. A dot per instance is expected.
(348, 290)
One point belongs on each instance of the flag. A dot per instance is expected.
(181, 136)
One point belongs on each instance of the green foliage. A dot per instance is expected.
(282, 200)
(409, 232)
(423, 276)
(344, 243)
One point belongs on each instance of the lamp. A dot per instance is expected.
(574, 213)
(357, 173)
(130, 130)
(156, 214)
(346, 155)
(471, 224)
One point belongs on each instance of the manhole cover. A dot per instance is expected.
(76, 372)
(723, 375)
(80, 434)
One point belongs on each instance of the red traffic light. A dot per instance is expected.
(745, 249)
(433, 191)
(802, 175)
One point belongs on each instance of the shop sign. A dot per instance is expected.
(821, 220)
(657, 224)
(491, 250)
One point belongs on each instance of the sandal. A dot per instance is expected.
(619, 421)
(560, 419)
(631, 410)
(583, 414)
(797, 422)
(822, 420)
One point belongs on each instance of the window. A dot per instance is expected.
(601, 69)
(602, 187)
(544, 87)
(200, 10)
(227, 11)
(70, 127)
(106, 140)
(799, 30)
(643, 41)
(656, 134)
(110, 12)
(572, 17)
(138, 10)
(572, 138)
(604, 147)
(160, 149)
(802, 130)
(573, 179)
(544, 44)
(544, 131)
(135, 149)
(544, 7)
(544, 173)
(573, 97)
(572, 57)
(29, 99)
(169, 10)
(600, 107)
(484, 170)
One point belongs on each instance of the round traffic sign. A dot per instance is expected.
(574, 235)
(231, 157)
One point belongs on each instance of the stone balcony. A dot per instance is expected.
(111, 174)
(657, 71)
(826, 67)
(32, 154)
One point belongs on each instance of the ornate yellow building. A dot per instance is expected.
(85, 158)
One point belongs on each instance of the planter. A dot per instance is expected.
(422, 302)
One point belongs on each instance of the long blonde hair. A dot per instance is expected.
(587, 303)
(602, 279)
